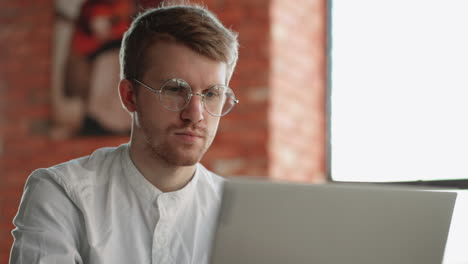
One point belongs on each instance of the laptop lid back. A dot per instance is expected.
(265, 222)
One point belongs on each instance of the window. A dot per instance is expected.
(399, 90)
(398, 107)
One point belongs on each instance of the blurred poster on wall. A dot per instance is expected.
(85, 71)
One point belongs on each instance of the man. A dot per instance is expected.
(148, 201)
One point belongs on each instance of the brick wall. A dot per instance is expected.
(297, 120)
(276, 131)
(240, 147)
(24, 70)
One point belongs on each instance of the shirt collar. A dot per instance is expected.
(143, 186)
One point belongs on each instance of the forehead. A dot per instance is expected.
(170, 59)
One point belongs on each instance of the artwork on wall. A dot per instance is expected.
(85, 71)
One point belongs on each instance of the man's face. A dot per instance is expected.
(176, 138)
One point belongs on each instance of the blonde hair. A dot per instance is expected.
(189, 24)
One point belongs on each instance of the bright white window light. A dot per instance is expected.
(399, 90)
(455, 249)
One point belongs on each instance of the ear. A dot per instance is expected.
(127, 95)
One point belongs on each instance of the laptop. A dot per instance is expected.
(271, 222)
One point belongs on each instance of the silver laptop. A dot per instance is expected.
(264, 222)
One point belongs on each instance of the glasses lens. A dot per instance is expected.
(174, 94)
(219, 100)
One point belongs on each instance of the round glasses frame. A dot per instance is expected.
(189, 96)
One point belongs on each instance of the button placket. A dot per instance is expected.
(161, 252)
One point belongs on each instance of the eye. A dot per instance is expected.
(175, 88)
(212, 93)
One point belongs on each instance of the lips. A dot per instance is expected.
(189, 137)
(189, 134)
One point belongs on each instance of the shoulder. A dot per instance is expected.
(81, 172)
(88, 168)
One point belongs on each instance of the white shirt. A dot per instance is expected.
(100, 209)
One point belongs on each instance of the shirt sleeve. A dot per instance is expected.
(48, 223)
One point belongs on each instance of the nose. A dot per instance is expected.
(194, 111)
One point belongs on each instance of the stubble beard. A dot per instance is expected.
(171, 156)
(160, 149)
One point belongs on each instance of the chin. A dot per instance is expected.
(182, 160)
(190, 162)
(178, 157)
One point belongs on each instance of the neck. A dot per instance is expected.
(165, 177)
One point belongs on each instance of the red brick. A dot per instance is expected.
(298, 116)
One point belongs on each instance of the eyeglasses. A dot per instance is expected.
(175, 94)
